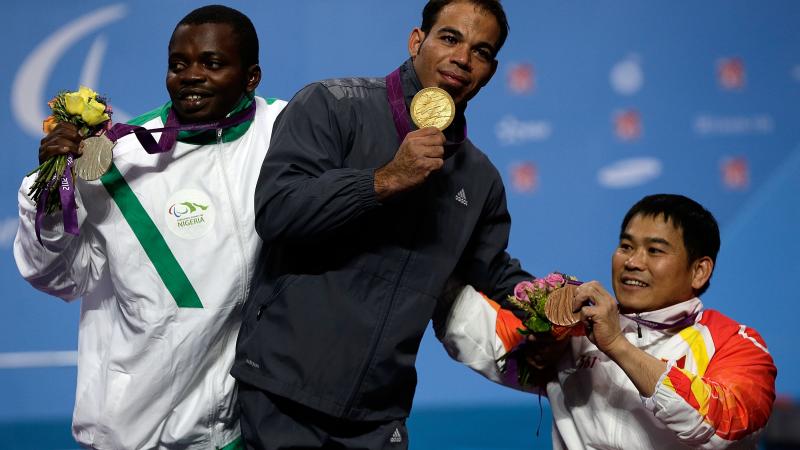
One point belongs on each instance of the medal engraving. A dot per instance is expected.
(95, 159)
(433, 107)
(558, 308)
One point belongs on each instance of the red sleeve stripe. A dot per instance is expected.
(680, 381)
(506, 325)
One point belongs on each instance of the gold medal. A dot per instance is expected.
(95, 158)
(558, 308)
(433, 107)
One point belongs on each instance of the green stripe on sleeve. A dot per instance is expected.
(152, 241)
(237, 444)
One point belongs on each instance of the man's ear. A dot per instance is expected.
(494, 69)
(415, 41)
(253, 77)
(701, 272)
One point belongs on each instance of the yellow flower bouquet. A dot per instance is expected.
(86, 110)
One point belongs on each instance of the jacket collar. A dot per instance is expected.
(670, 314)
(209, 136)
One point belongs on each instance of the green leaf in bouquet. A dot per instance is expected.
(524, 306)
(524, 377)
(537, 324)
(541, 301)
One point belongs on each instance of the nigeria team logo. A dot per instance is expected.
(189, 214)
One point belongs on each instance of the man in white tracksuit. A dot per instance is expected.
(165, 252)
(657, 369)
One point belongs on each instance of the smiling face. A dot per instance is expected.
(205, 77)
(650, 268)
(457, 54)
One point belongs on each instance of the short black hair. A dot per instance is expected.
(430, 14)
(699, 227)
(242, 27)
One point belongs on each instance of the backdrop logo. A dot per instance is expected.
(521, 78)
(27, 93)
(709, 125)
(730, 73)
(626, 76)
(629, 172)
(524, 177)
(628, 125)
(511, 130)
(189, 214)
(735, 173)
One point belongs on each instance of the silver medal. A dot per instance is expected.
(95, 159)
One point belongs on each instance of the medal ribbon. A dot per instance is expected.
(169, 134)
(394, 92)
(685, 322)
(67, 193)
(397, 104)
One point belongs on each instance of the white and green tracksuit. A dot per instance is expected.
(163, 263)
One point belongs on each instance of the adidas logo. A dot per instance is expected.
(461, 197)
(396, 437)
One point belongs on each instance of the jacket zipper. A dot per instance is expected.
(243, 275)
(638, 327)
(374, 344)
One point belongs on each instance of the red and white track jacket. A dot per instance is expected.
(717, 392)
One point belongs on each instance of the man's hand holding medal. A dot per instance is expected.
(77, 118)
(421, 151)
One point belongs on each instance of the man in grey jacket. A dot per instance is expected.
(364, 222)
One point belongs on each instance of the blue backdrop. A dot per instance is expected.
(594, 105)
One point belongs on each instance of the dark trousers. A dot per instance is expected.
(271, 422)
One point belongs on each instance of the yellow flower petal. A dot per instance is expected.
(86, 93)
(73, 103)
(94, 113)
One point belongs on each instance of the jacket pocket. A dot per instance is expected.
(281, 285)
(318, 332)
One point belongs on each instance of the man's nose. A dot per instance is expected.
(193, 73)
(461, 56)
(635, 260)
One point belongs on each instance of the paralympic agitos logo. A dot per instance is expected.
(28, 96)
(181, 209)
(189, 213)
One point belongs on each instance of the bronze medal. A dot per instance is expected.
(95, 158)
(433, 107)
(558, 308)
